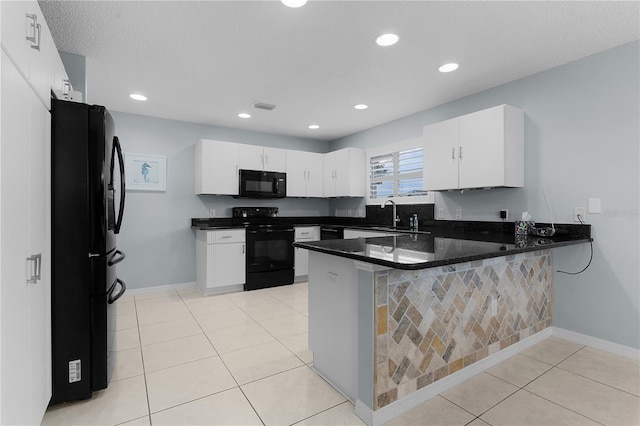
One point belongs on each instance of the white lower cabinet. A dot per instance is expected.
(301, 256)
(220, 260)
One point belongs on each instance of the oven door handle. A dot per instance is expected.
(270, 230)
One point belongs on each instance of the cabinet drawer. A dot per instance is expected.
(226, 236)
(311, 233)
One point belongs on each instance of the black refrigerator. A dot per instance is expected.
(87, 205)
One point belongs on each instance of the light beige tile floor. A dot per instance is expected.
(243, 359)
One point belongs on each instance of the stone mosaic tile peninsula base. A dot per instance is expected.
(431, 323)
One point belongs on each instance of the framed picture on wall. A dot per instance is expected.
(144, 172)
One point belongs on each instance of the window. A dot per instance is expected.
(398, 174)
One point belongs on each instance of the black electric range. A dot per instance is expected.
(270, 252)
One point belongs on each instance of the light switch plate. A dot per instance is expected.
(595, 205)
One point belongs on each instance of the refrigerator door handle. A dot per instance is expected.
(110, 297)
(116, 144)
(113, 260)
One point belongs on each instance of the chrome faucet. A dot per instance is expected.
(396, 219)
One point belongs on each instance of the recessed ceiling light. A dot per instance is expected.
(244, 115)
(448, 67)
(386, 40)
(294, 3)
(138, 97)
(314, 126)
(361, 106)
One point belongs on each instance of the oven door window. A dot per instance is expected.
(268, 251)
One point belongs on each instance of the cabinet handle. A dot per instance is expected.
(453, 153)
(243, 249)
(460, 152)
(35, 38)
(266, 159)
(37, 268)
(226, 236)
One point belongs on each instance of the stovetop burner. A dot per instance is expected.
(257, 217)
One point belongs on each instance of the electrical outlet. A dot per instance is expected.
(579, 211)
(458, 213)
(504, 214)
(212, 212)
(440, 213)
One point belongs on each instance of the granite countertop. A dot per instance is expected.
(424, 250)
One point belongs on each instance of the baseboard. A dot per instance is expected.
(222, 290)
(594, 342)
(396, 408)
(180, 286)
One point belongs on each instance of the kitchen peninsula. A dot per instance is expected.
(390, 317)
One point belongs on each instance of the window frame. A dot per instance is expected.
(391, 149)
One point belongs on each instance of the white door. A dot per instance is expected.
(441, 155)
(274, 159)
(14, 246)
(342, 167)
(218, 168)
(250, 157)
(296, 174)
(39, 237)
(229, 264)
(481, 140)
(314, 175)
(329, 172)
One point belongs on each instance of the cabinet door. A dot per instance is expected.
(441, 155)
(40, 58)
(314, 175)
(39, 233)
(15, 376)
(296, 173)
(482, 149)
(341, 162)
(274, 160)
(250, 157)
(228, 264)
(329, 173)
(14, 25)
(216, 167)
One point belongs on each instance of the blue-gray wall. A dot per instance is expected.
(582, 141)
(156, 231)
(76, 67)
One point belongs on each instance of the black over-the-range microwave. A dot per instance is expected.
(259, 184)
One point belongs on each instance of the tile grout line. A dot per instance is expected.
(144, 371)
(560, 405)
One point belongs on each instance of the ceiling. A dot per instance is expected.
(207, 61)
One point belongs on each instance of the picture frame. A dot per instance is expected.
(145, 172)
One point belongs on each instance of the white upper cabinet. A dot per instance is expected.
(216, 167)
(254, 157)
(27, 41)
(440, 169)
(304, 174)
(344, 173)
(480, 150)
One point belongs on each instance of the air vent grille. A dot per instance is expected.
(262, 105)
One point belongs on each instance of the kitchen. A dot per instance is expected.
(576, 112)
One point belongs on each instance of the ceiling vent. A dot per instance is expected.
(262, 105)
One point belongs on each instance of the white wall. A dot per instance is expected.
(582, 140)
(156, 232)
